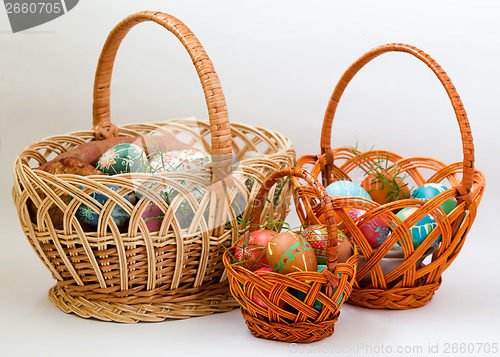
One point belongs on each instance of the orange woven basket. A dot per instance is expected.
(297, 320)
(409, 278)
(129, 273)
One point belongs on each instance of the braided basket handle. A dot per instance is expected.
(216, 103)
(467, 144)
(326, 204)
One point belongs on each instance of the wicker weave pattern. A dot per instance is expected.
(129, 274)
(405, 286)
(302, 322)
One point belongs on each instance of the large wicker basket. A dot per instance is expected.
(131, 274)
(299, 320)
(409, 280)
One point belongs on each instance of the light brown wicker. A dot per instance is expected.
(301, 320)
(127, 273)
(410, 284)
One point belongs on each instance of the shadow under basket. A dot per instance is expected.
(127, 272)
(411, 282)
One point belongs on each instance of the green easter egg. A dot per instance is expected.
(122, 158)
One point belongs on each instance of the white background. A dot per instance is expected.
(278, 62)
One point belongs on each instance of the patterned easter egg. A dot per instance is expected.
(289, 252)
(153, 217)
(421, 229)
(346, 189)
(91, 217)
(252, 249)
(122, 158)
(179, 160)
(317, 237)
(430, 190)
(375, 231)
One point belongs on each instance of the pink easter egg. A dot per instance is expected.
(375, 231)
(153, 216)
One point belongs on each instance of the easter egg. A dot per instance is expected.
(317, 237)
(153, 217)
(91, 217)
(346, 188)
(252, 249)
(122, 158)
(430, 190)
(384, 187)
(289, 252)
(179, 160)
(421, 229)
(255, 297)
(344, 248)
(375, 230)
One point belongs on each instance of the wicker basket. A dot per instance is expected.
(300, 320)
(129, 274)
(411, 281)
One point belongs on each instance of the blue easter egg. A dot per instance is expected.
(347, 189)
(421, 229)
(430, 190)
(91, 217)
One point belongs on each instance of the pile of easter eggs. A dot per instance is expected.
(376, 230)
(264, 251)
(130, 158)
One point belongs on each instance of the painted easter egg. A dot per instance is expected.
(375, 230)
(179, 160)
(252, 249)
(421, 229)
(91, 217)
(430, 190)
(153, 217)
(122, 158)
(317, 237)
(256, 299)
(289, 252)
(346, 189)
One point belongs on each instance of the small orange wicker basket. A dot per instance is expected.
(409, 278)
(284, 317)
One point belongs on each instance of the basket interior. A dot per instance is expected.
(200, 219)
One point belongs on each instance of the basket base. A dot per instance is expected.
(394, 299)
(133, 313)
(304, 332)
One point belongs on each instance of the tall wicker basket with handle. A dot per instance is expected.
(387, 278)
(129, 273)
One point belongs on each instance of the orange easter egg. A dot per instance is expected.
(288, 252)
(384, 188)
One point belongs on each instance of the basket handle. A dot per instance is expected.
(326, 204)
(216, 103)
(467, 144)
